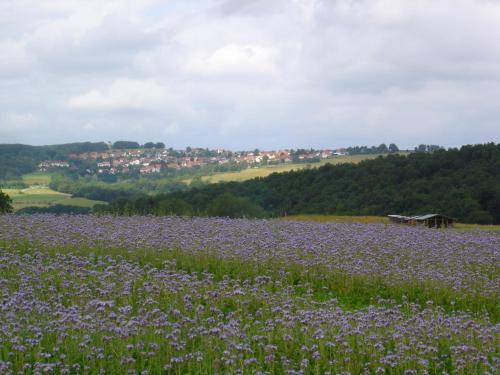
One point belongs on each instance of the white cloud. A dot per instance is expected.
(241, 72)
(124, 94)
(235, 60)
(13, 58)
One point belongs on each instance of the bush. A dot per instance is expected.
(5, 203)
(56, 209)
(174, 206)
(228, 205)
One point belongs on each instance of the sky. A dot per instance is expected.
(241, 74)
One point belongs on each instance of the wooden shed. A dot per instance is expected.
(434, 220)
(429, 220)
(399, 219)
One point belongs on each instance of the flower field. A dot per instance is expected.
(150, 295)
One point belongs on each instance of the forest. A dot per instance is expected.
(462, 183)
(18, 159)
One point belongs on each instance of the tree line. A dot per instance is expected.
(18, 159)
(462, 183)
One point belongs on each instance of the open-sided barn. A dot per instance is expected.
(429, 220)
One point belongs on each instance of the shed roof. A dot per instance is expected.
(398, 216)
(429, 216)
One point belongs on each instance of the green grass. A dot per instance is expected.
(11, 192)
(352, 291)
(37, 178)
(262, 316)
(264, 171)
(471, 227)
(79, 202)
(378, 219)
(338, 218)
(36, 196)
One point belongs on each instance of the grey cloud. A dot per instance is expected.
(250, 73)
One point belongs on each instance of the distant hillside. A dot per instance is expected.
(18, 159)
(264, 171)
(464, 184)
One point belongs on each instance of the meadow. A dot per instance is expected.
(38, 194)
(263, 171)
(151, 295)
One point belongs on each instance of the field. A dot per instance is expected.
(149, 295)
(37, 178)
(38, 194)
(338, 218)
(380, 220)
(250, 173)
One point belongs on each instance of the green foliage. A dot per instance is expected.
(17, 159)
(380, 149)
(5, 203)
(173, 206)
(55, 209)
(393, 148)
(464, 184)
(120, 145)
(159, 145)
(105, 193)
(228, 205)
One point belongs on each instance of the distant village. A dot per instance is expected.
(150, 161)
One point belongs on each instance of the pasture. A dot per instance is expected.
(38, 194)
(150, 295)
(35, 195)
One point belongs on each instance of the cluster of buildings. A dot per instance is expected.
(45, 165)
(148, 161)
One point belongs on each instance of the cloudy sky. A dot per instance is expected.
(242, 74)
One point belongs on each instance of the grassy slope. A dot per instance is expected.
(250, 173)
(37, 178)
(38, 194)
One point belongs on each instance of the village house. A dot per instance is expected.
(45, 165)
(153, 168)
(104, 164)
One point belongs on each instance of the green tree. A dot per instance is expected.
(382, 149)
(174, 206)
(118, 145)
(393, 148)
(5, 203)
(228, 205)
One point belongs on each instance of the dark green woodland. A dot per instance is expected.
(462, 183)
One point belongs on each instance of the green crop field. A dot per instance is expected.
(170, 295)
(264, 171)
(38, 195)
(35, 196)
